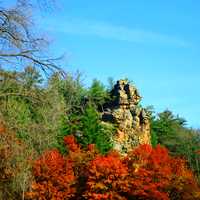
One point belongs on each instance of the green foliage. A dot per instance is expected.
(33, 111)
(71, 90)
(94, 132)
(170, 131)
(189, 146)
(97, 93)
(166, 127)
(43, 113)
(65, 129)
(154, 139)
(31, 78)
(88, 129)
(111, 83)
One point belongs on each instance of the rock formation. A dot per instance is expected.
(131, 120)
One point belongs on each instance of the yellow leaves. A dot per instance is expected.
(100, 186)
(197, 195)
(136, 166)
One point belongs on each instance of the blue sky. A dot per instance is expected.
(155, 44)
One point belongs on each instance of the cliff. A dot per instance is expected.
(131, 120)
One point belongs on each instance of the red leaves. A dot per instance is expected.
(71, 143)
(149, 172)
(2, 128)
(49, 163)
(91, 147)
(54, 177)
(146, 173)
(156, 175)
(107, 178)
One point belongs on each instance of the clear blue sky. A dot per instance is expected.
(154, 43)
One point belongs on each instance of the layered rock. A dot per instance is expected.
(131, 120)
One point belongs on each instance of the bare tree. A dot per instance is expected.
(18, 44)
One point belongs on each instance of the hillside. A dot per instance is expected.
(64, 136)
(41, 125)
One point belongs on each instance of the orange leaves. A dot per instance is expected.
(156, 175)
(48, 163)
(71, 143)
(15, 160)
(107, 178)
(2, 127)
(91, 147)
(54, 177)
(149, 172)
(146, 173)
(183, 182)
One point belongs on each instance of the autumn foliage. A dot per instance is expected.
(106, 178)
(15, 162)
(146, 173)
(54, 177)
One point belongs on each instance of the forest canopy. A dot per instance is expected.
(53, 143)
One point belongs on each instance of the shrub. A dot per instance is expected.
(106, 178)
(54, 177)
(146, 173)
(61, 177)
(153, 174)
(183, 183)
(149, 173)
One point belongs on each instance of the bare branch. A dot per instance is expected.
(17, 41)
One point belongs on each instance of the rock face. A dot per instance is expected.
(132, 121)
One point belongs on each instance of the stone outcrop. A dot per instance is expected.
(131, 120)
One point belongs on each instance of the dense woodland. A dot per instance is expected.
(53, 144)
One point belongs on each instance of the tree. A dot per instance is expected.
(170, 131)
(34, 111)
(145, 173)
(71, 89)
(166, 127)
(97, 94)
(24, 85)
(18, 43)
(88, 129)
(31, 78)
(15, 164)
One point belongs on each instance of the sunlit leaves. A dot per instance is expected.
(146, 173)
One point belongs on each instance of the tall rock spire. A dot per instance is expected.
(131, 120)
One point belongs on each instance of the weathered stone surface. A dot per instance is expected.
(133, 127)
